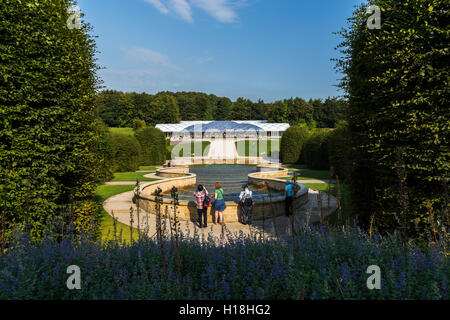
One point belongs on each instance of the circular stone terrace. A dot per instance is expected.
(267, 218)
(268, 199)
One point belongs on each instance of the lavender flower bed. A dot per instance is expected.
(328, 264)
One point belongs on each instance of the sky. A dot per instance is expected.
(256, 49)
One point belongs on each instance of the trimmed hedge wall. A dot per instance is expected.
(153, 146)
(316, 150)
(292, 143)
(125, 152)
(339, 150)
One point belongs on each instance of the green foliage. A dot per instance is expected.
(291, 145)
(316, 150)
(125, 130)
(115, 108)
(138, 124)
(164, 109)
(121, 109)
(223, 109)
(48, 149)
(241, 110)
(104, 152)
(397, 80)
(339, 151)
(153, 146)
(126, 152)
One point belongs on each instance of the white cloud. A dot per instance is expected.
(148, 56)
(159, 6)
(183, 9)
(222, 10)
(219, 9)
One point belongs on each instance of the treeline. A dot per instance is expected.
(121, 109)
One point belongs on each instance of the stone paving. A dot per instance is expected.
(120, 205)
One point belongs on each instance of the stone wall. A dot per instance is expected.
(187, 210)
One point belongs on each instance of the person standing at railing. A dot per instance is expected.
(219, 203)
(289, 197)
(246, 202)
(202, 209)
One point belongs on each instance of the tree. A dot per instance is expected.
(115, 108)
(292, 143)
(397, 81)
(277, 112)
(223, 109)
(165, 108)
(47, 126)
(258, 110)
(241, 110)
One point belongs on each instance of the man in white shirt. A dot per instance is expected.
(246, 202)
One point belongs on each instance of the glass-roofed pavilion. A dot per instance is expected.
(223, 129)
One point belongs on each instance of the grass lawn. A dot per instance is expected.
(149, 168)
(131, 176)
(127, 131)
(261, 148)
(183, 146)
(106, 221)
(308, 174)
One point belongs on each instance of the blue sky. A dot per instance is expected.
(268, 49)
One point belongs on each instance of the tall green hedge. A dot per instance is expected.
(316, 150)
(48, 142)
(125, 152)
(292, 143)
(398, 82)
(153, 146)
(339, 150)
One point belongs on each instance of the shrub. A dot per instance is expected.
(153, 146)
(138, 124)
(291, 144)
(339, 150)
(125, 152)
(104, 152)
(316, 150)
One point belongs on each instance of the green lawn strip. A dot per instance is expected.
(308, 174)
(106, 221)
(294, 167)
(149, 168)
(261, 148)
(132, 176)
(127, 131)
(204, 145)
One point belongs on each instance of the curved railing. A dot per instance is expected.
(180, 177)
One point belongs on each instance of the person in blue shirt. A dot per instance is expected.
(289, 197)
